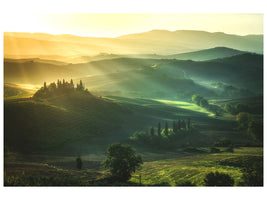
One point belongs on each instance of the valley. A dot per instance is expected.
(188, 107)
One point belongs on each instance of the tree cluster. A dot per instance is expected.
(253, 127)
(165, 138)
(61, 87)
(202, 102)
(234, 109)
(177, 126)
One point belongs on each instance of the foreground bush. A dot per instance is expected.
(218, 179)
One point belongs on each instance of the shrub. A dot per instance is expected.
(218, 179)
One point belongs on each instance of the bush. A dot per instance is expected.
(230, 149)
(243, 120)
(218, 179)
(214, 150)
(253, 174)
(224, 142)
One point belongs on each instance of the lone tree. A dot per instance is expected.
(79, 163)
(122, 161)
(218, 179)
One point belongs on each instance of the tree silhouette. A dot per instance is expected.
(166, 131)
(179, 124)
(218, 179)
(79, 163)
(122, 161)
(152, 131)
(183, 125)
(188, 123)
(174, 127)
(59, 88)
(243, 120)
(159, 129)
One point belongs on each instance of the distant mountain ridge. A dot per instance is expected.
(152, 42)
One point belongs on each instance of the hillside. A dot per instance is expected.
(152, 78)
(25, 44)
(147, 82)
(206, 54)
(14, 91)
(36, 71)
(243, 71)
(61, 123)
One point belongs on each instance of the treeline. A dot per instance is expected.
(226, 90)
(234, 109)
(61, 87)
(253, 127)
(163, 138)
(202, 102)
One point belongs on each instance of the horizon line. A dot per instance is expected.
(87, 36)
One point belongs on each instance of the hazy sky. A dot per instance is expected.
(112, 25)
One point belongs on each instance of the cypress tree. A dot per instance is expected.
(81, 85)
(183, 125)
(188, 123)
(179, 124)
(174, 127)
(58, 83)
(159, 129)
(45, 86)
(166, 131)
(152, 131)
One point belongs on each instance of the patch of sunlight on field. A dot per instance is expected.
(29, 87)
(185, 105)
(19, 96)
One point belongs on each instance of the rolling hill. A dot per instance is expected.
(206, 54)
(61, 123)
(22, 45)
(77, 123)
(155, 78)
(243, 71)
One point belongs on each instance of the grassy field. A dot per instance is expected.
(169, 169)
(51, 133)
(193, 168)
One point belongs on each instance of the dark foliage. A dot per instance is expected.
(60, 88)
(214, 150)
(41, 181)
(122, 161)
(79, 163)
(218, 179)
(253, 174)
